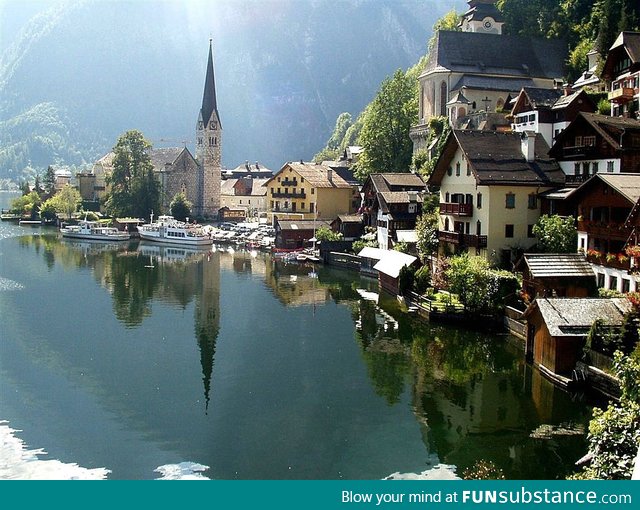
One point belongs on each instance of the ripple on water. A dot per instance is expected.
(8, 285)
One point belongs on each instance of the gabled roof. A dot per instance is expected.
(496, 158)
(319, 176)
(626, 44)
(557, 265)
(302, 224)
(611, 129)
(574, 316)
(501, 55)
(500, 83)
(165, 155)
(392, 262)
(396, 182)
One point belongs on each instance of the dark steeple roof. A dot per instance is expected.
(209, 103)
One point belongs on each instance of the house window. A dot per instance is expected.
(626, 285)
(530, 233)
(313, 190)
(449, 171)
(609, 166)
(613, 282)
(533, 201)
(585, 168)
(479, 200)
(600, 279)
(594, 167)
(468, 169)
(578, 141)
(412, 208)
(508, 230)
(589, 141)
(447, 197)
(301, 179)
(510, 201)
(576, 169)
(457, 169)
(311, 207)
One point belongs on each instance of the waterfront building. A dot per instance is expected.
(622, 70)
(244, 193)
(489, 185)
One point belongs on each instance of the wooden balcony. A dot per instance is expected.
(622, 95)
(289, 182)
(301, 194)
(579, 151)
(456, 209)
(462, 240)
(614, 261)
(604, 230)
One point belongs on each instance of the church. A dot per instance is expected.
(475, 72)
(176, 168)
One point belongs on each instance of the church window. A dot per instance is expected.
(199, 140)
(200, 124)
(443, 98)
(212, 124)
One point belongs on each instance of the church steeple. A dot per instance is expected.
(209, 102)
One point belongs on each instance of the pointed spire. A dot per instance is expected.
(209, 103)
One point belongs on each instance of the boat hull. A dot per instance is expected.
(95, 237)
(185, 241)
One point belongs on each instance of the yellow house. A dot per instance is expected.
(489, 186)
(306, 190)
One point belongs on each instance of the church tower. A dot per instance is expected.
(482, 17)
(208, 147)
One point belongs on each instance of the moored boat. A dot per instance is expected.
(168, 230)
(94, 231)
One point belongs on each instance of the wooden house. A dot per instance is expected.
(557, 329)
(556, 275)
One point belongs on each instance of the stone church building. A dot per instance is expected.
(472, 74)
(176, 168)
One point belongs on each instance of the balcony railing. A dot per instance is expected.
(604, 230)
(576, 179)
(456, 209)
(622, 95)
(614, 261)
(289, 182)
(290, 194)
(579, 151)
(463, 240)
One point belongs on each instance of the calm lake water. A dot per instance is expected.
(133, 357)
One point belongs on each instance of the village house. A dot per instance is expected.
(309, 190)
(556, 275)
(248, 170)
(392, 202)
(296, 234)
(548, 111)
(607, 208)
(349, 225)
(245, 193)
(557, 329)
(589, 78)
(622, 69)
(482, 69)
(595, 143)
(489, 185)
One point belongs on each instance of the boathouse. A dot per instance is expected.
(556, 275)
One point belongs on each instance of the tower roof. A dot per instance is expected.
(209, 103)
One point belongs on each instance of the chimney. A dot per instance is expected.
(413, 196)
(246, 164)
(567, 89)
(330, 175)
(528, 145)
(257, 166)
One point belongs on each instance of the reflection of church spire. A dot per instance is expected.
(207, 319)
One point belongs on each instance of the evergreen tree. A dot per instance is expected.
(49, 181)
(180, 207)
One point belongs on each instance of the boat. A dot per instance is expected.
(168, 230)
(94, 231)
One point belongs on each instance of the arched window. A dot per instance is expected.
(443, 98)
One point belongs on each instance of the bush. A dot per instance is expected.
(422, 279)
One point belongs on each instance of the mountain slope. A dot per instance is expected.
(81, 73)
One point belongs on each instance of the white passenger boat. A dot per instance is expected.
(93, 231)
(168, 230)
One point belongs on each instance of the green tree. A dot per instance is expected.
(427, 233)
(326, 234)
(49, 181)
(65, 202)
(556, 234)
(180, 207)
(385, 129)
(614, 433)
(449, 21)
(333, 148)
(27, 205)
(135, 191)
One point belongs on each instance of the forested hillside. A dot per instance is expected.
(77, 74)
(583, 24)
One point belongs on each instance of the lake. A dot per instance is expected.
(143, 361)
